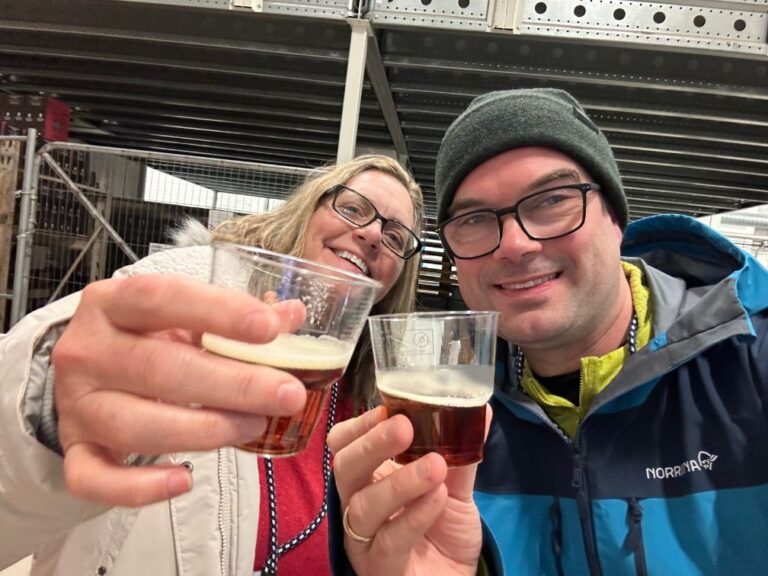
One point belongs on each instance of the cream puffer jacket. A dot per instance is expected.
(209, 531)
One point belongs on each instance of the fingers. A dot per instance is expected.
(92, 475)
(393, 544)
(153, 303)
(343, 433)
(125, 423)
(355, 464)
(409, 512)
(128, 366)
(372, 507)
(176, 372)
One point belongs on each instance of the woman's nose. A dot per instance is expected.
(371, 232)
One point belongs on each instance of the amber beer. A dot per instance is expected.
(317, 362)
(446, 407)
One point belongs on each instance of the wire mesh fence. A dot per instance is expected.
(142, 196)
(98, 209)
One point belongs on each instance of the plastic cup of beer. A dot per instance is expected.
(437, 368)
(337, 304)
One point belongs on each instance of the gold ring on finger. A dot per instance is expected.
(351, 533)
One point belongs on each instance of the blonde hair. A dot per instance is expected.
(284, 230)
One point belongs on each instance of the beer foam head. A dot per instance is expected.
(463, 386)
(302, 352)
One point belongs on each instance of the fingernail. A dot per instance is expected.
(423, 468)
(298, 312)
(290, 397)
(290, 308)
(260, 326)
(271, 326)
(179, 482)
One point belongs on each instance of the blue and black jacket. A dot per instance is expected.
(668, 470)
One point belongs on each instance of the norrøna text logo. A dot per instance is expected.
(704, 461)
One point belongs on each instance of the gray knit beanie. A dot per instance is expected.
(500, 121)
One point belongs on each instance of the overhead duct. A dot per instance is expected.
(752, 220)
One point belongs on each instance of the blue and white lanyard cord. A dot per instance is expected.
(275, 551)
(631, 346)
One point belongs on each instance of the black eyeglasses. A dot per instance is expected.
(358, 210)
(545, 215)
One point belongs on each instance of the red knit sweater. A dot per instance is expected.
(299, 491)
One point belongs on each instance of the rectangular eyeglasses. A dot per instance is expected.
(544, 215)
(359, 211)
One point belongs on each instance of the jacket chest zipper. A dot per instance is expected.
(582, 494)
(556, 520)
(225, 511)
(579, 483)
(634, 540)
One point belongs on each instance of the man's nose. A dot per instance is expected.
(514, 243)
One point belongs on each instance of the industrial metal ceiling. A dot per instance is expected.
(689, 126)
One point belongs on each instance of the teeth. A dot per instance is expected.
(530, 283)
(354, 259)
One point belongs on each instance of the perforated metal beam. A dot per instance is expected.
(739, 26)
(223, 4)
(732, 27)
(451, 14)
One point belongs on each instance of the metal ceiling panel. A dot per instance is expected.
(688, 123)
(683, 125)
(728, 27)
(456, 14)
(312, 8)
(226, 82)
(189, 3)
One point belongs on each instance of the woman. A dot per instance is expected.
(102, 359)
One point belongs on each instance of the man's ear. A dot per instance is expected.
(614, 219)
(617, 229)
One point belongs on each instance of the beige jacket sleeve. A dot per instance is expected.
(34, 504)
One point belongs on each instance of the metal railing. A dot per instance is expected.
(24, 194)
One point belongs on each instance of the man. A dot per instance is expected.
(630, 425)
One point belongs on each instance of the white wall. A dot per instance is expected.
(752, 238)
